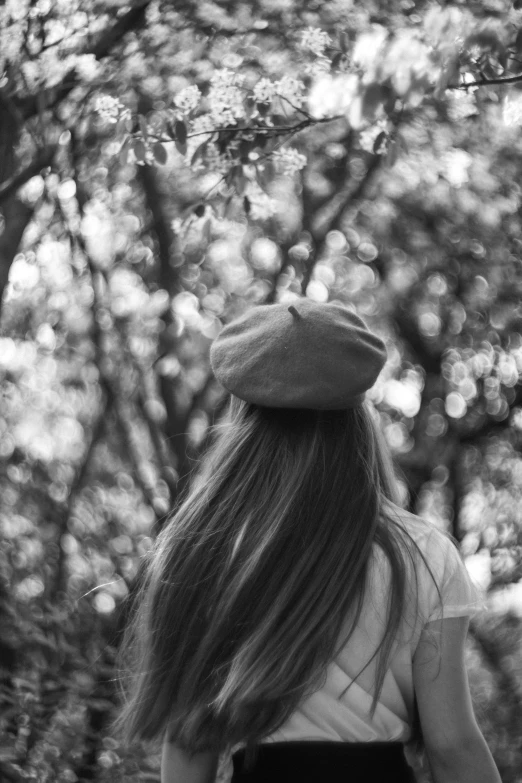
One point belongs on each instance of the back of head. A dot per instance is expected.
(252, 579)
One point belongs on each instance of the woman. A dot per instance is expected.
(292, 616)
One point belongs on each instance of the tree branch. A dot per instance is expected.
(330, 215)
(31, 105)
(168, 472)
(60, 577)
(145, 481)
(333, 215)
(168, 278)
(43, 159)
(16, 216)
(485, 82)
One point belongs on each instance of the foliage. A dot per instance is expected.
(165, 166)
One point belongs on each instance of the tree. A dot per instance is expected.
(368, 155)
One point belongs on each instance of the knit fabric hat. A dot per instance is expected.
(304, 355)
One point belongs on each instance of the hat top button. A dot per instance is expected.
(294, 312)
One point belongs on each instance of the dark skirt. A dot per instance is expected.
(324, 762)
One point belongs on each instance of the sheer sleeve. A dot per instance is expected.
(458, 595)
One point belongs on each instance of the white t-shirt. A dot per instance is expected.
(328, 714)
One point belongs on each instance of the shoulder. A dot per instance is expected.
(445, 588)
(427, 541)
(423, 552)
(436, 550)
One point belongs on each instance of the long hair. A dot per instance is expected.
(250, 583)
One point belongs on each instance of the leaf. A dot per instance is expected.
(344, 42)
(264, 175)
(124, 151)
(379, 142)
(367, 104)
(225, 137)
(485, 39)
(159, 152)
(246, 205)
(263, 107)
(392, 154)
(180, 130)
(200, 210)
(249, 104)
(488, 40)
(139, 150)
(517, 5)
(389, 98)
(170, 130)
(181, 147)
(207, 231)
(238, 179)
(338, 60)
(261, 140)
(279, 119)
(449, 73)
(198, 152)
(123, 126)
(245, 147)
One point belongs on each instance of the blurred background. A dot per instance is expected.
(137, 215)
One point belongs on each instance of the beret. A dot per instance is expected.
(304, 355)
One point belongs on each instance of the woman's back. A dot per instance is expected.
(283, 602)
(340, 710)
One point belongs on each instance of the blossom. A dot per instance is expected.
(318, 67)
(108, 107)
(188, 99)
(315, 40)
(368, 48)
(289, 160)
(199, 126)
(291, 89)
(215, 161)
(262, 206)
(225, 97)
(461, 104)
(264, 90)
(332, 95)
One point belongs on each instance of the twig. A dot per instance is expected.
(484, 82)
(146, 485)
(145, 394)
(168, 472)
(60, 578)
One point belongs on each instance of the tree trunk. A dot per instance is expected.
(16, 216)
